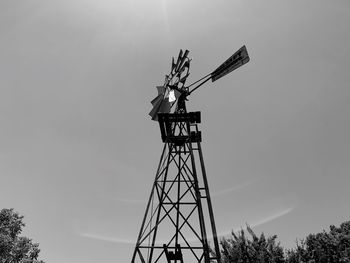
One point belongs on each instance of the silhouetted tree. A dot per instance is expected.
(331, 247)
(323, 247)
(15, 248)
(239, 249)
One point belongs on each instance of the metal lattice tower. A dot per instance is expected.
(178, 225)
(175, 212)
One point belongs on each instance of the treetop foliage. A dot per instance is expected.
(238, 248)
(15, 248)
(324, 247)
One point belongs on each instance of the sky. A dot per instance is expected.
(78, 151)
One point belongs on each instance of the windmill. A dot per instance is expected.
(178, 225)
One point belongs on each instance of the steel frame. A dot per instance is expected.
(175, 211)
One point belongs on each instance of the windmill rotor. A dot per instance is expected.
(174, 85)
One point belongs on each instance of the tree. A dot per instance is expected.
(239, 249)
(15, 248)
(324, 247)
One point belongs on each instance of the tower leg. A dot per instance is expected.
(210, 207)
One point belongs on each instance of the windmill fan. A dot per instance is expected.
(173, 87)
(173, 94)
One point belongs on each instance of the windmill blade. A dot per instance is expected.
(183, 67)
(237, 60)
(160, 103)
(160, 89)
(156, 100)
(183, 60)
(162, 106)
(177, 94)
(153, 113)
(178, 59)
(183, 79)
(172, 64)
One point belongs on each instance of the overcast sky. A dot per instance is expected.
(78, 152)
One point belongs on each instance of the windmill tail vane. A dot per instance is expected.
(238, 59)
(174, 89)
